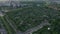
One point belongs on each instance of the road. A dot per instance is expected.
(3, 31)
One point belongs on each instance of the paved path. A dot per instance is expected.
(2, 30)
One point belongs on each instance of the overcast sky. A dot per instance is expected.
(20, 0)
(3, 0)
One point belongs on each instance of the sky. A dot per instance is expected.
(3, 0)
(19, 0)
(24, 0)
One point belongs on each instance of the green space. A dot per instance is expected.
(6, 25)
(29, 17)
(45, 30)
(54, 20)
(1, 22)
(25, 18)
(54, 28)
